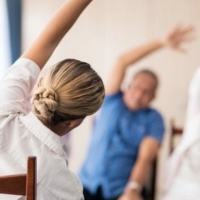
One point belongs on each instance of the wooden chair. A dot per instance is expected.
(150, 186)
(175, 132)
(149, 192)
(21, 184)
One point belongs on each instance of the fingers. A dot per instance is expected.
(187, 29)
(183, 29)
(188, 38)
(184, 32)
(180, 49)
(180, 35)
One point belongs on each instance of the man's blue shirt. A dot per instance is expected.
(114, 145)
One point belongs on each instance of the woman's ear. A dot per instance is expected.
(64, 127)
(73, 123)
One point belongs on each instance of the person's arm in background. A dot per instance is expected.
(174, 39)
(41, 50)
(149, 146)
(148, 150)
(147, 154)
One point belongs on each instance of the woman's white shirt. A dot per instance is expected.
(23, 135)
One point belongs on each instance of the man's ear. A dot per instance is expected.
(153, 96)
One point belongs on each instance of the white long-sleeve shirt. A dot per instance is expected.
(23, 135)
(183, 172)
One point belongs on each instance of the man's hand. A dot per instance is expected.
(130, 195)
(178, 36)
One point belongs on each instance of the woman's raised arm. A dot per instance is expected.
(42, 48)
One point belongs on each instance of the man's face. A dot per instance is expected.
(141, 92)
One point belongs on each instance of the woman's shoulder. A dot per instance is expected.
(23, 62)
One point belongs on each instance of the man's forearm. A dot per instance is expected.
(124, 61)
(139, 173)
(140, 52)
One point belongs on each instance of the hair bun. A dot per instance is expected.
(44, 102)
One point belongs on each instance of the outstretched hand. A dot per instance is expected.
(178, 36)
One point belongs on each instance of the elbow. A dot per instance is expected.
(121, 62)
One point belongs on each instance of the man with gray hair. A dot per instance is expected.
(127, 132)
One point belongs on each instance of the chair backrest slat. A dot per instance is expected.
(14, 184)
(175, 131)
(31, 179)
(21, 184)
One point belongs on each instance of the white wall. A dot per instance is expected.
(109, 27)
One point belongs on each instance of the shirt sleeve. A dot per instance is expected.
(156, 126)
(192, 161)
(61, 188)
(16, 85)
(193, 108)
(112, 97)
(108, 100)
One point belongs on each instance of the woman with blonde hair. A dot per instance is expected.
(67, 93)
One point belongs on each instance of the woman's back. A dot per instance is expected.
(23, 135)
(67, 93)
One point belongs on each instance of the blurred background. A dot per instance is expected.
(103, 32)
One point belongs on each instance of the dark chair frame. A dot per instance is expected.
(149, 191)
(175, 131)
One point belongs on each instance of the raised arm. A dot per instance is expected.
(17, 83)
(41, 50)
(173, 39)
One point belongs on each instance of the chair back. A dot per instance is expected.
(149, 192)
(176, 133)
(21, 184)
